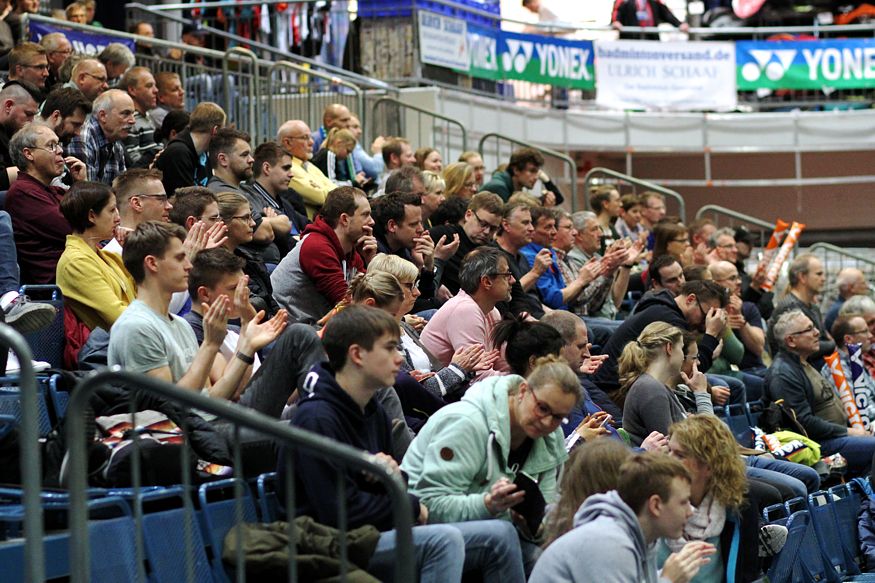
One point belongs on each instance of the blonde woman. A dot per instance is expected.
(334, 159)
(435, 187)
(459, 177)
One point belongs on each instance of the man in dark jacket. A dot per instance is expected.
(803, 389)
(643, 13)
(699, 307)
(184, 160)
(362, 345)
(523, 171)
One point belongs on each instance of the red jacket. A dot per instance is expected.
(324, 262)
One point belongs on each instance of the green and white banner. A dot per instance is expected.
(838, 64)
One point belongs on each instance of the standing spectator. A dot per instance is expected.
(850, 282)
(140, 145)
(34, 204)
(522, 172)
(117, 58)
(307, 180)
(101, 144)
(605, 202)
(184, 161)
(28, 63)
(643, 13)
(7, 42)
(14, 18)
(171, 96)
(89, 77)
(65, 110)
(76, 12)
(514, 234)
(58, 50)
(18, 106)
(475, 161)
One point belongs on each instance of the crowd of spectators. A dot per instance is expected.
(459, 325)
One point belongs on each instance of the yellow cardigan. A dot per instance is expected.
(95, 284)
(311, 184)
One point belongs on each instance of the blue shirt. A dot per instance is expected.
(372, 166)
(551, 283)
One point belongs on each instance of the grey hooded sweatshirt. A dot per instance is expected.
(605, 545)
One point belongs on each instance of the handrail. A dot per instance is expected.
(283, 432)
(31, 467)
(638, 182)
(717, 209)
(836, 249)
(565, 158)
(333, 79)
(254, 84)
(422, 111)
(285, 55)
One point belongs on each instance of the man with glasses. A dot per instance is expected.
(34, 203)
(184, 161)
(307, 180)
(18, 106)
(743, 317)
(792, 378)
(863, 306)
(89, 77)
(849, 330)
(101, 143)
(514, 234)
(141, 197)
(28, 63)
(58, 50)
(481, 223)
(722, 246)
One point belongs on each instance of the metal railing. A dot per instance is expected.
(570, 178)
(617, 177)
(282, 434)
(762, 229)
(392, 117)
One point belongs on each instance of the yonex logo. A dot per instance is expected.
(518, 55)
(766, 63)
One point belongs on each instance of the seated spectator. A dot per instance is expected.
(470, 316)
(89, 77)
(852, 330)
(666, 273)
(864, 306)
(267, 384)
(315, 275)
(361, 344)
(396, 153)
(464, 460)
(58, 50)
(628, 224)
(117, 58)
(743, 317)
(233, 208)
(850, 282)
(792, 378)
(170, 97)
(140, 197)
(670, 238)
(698, 306)
(649, 369)
(435, 186)
(522, 172)
(174, 123)
(515, 233)
(605, 203)
(184, 161)
(16, 310)
(334, 158)
(459, 178)
(148, 339)
(334, 116)
(101, 143)
(65, 110)
(371, 164)
(143, 28)
(805, 282)
(701, 231)
(34, 204)
(28, 63)
(307, 180)
(475, 161)
(429, 159)
(95, 283)
(450, 212)
(194, 204)
(18, 106)
(140, 145)
(652, 211)
(480, 223)
(722, 247)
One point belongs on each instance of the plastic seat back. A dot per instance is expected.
(268, 499)
(111, 539)
(846, 511)
(219, 515)
(782, 569)
(47, 344)
(826, 527)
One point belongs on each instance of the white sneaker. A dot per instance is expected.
(14, 367)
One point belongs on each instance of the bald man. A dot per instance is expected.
(89, 77)
(850, 282)
(307, 180)
(335, 115)
(743, 317)
(18, 107)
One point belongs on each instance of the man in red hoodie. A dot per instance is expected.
(315, 275)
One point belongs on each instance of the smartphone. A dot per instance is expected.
(605, 420)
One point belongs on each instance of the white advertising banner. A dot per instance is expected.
(665, 76)
(443, 41)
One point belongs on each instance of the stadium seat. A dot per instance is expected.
(268, 502)
(10, 402)
(826, 528)
(735, 416)
(786, 568)
(47, 344)
(218, 514)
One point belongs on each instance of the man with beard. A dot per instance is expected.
(65, 110)
(100, 145)
(18, 106)
(34, 204)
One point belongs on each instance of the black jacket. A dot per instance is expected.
(791, 302)
(180, 164)
(660, 307)
(331, 412)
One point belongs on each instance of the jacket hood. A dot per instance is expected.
(325, 230)
(663, 298)
(611, 506)
(326, 390)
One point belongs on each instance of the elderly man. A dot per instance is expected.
(804, 390)
(34, 204)
(117, 58)
(18, 106)
(743, 317)
(100, 145)
(850, 282)
(335, 115)
(171, 96)
(58, 50)
(184, 160)
(307, 180)
(89, 77)
(140, 145)
(806, 280)
(28, 63)
(849, 330)
(863, 306)
(515, 233)
(722, 246)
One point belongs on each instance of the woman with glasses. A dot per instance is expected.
(650, 368)
(95, 283)
(237, 216)
(459, 177)
(465, 461)
(672, 239)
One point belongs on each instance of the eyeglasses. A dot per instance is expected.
(245, 218)
(411, 285)
(505, 274)
(162, 198)
(300, 137)
(858, 332)
(485, 225)
(62, 52)
(542, 410)
(54, 148)
(683, 240)
(702, 310)
(808, 330)
(96, 78)
(728, 246)
(692, 357)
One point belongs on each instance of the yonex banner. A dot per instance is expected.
(500, 55)
(83, 42)
(838, 64)
(665, 76)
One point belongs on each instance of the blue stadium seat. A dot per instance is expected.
(268, 501)
(47, 344)
(218, 514)
(786, 566)
(775, 514)
(735, 416)
(826, 527)
(111, 536)
(10, 402)
(57, 398)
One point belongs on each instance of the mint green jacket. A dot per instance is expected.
(463, 450)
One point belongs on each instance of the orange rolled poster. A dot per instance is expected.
(844, 390)
(786, 248)
(771, 248)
